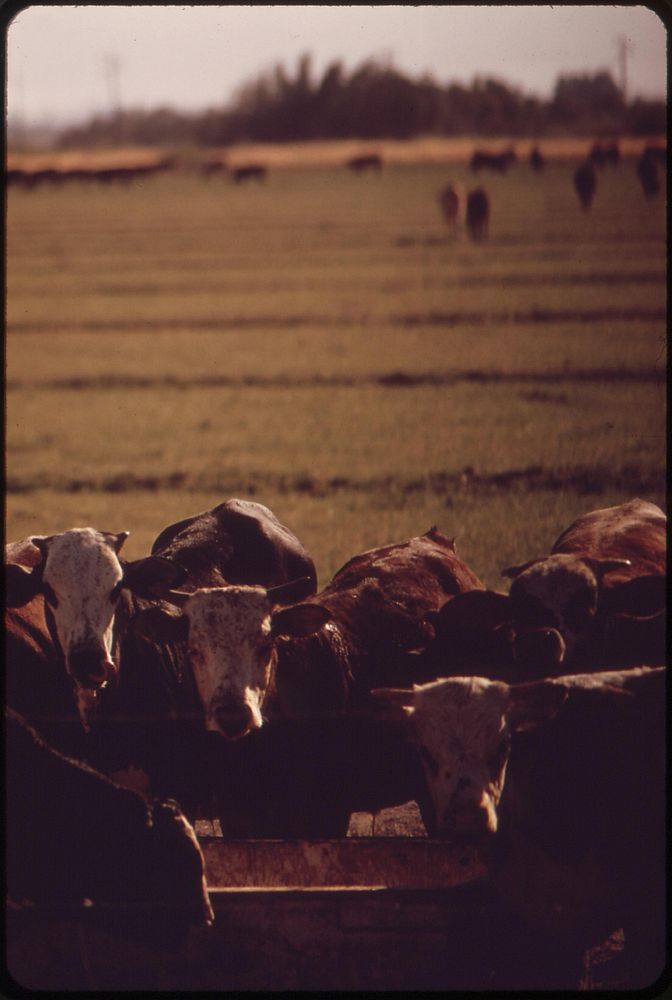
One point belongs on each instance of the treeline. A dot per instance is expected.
(376, 101)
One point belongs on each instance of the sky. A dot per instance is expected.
(68, 62)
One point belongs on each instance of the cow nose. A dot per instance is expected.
(233, 722)
(91, 668)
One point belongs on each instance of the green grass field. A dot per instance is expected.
(324, 344)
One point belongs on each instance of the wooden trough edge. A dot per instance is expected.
(368, 862)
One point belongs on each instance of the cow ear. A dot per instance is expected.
(513, 571)
(118, 540)
(160, 625)
(643, 597)
(152, 576)
(398, 700)
(299, 620)
(291, 591)
(21, 585)
(531, 705)
(41, 542)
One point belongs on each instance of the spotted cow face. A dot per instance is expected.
(463, 728)
(554, 601)
(81, 578)
(231, 634)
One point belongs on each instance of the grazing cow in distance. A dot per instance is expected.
(255, 655)
(248, 172)
(647, 172)
(499, 162)
(562, 783)
(72, 835)
(362, 164)
(537, 160)
(451, 200)
(585, 183)
(478, 214)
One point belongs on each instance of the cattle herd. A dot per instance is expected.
(211, 679)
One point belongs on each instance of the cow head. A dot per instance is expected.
(463, 728)
(230, 634)
(554, 601)
(80, 576)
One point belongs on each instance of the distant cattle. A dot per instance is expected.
(255, 655)
(499, 162)
(76, 661)
(585, 183)
(537, 159)
(74, 837)
(562, 783)
(596, 601)
(602, 154)
(647, 171)
(248, 172)
(362, 164)
(451, 200)
(478, 214)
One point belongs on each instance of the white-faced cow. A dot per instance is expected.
(596, 601)
(562, 783)
(73, 836)
(79, 597)
(255, 655)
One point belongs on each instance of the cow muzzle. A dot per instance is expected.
(233, 721)
(468, 822)
(91, 668)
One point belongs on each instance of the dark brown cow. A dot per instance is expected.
(361, 164)
(585, 183)
(537, 159)
(253, 654)
(248, 172)
(478, 213)
(72, 835)
(647, 172)
(562, 783)
(596, 601)
(451, 200)
(499, 162)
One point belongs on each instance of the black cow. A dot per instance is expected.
(537, 159)
(562, 784)
(585, 183)
(478, 213)
(647, 172)
(361, 164)
(499, 162)
(73, 836)
(248, 172)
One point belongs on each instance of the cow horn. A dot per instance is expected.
(293, 590)
(177, 597)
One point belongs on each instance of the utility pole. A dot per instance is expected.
(625, 48)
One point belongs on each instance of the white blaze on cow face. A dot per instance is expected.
(460, 726)
(80, 581)
(232, 653)
(560, 592)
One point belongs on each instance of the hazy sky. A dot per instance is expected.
(69, 61)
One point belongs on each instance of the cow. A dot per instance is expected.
(451, 200)
(364, 163)
(537, 159)
(255, 654)
(248, 172)
(561, 783)
(647, 172)
(478, 213)
(129, 690)
(597, 600)
(73, 837)
(585, 183)
(499, 162)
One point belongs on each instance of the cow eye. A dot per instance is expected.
(580, 608)
(49, 595)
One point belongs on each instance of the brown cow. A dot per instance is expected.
(451, 200)
(478, 213)
(585, 183)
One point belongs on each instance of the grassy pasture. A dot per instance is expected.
(323, 343)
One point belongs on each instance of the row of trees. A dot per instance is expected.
(377, 101)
